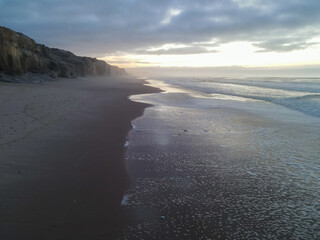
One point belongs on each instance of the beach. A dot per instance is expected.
(61, 156)
(225, 158)
(124, 158)
(160, 120)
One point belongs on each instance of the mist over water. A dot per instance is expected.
(310, 71)
(228, 158)
(301, 94)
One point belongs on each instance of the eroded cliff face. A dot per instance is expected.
(20, 54)
(115, 71)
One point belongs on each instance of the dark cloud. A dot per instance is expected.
(284, 44)
(99, 27)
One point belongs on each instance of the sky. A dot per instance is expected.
(174, 33)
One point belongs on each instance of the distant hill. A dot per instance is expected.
(20, 54)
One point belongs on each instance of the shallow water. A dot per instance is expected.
(301, 94)
(223, 166)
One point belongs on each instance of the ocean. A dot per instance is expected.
(226, 158)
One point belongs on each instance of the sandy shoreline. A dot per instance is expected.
(211, 168)
(61, 156)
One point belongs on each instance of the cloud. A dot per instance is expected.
(171, 13)
(285, 44)
(175, 51)
(101, 27)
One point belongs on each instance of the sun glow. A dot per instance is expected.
(230, 54)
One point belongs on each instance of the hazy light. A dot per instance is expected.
(167, 47)
(231, 54)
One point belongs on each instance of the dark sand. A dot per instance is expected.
(62, 174)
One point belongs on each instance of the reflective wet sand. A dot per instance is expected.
(215, 172)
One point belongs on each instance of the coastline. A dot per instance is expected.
(62, 156)
(221, 168)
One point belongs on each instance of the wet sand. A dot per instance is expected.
(212, 169)
(62, 173)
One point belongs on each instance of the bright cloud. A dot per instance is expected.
(169, 15)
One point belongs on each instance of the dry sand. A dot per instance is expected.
(62, 173)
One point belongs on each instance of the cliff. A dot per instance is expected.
(20, 54)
